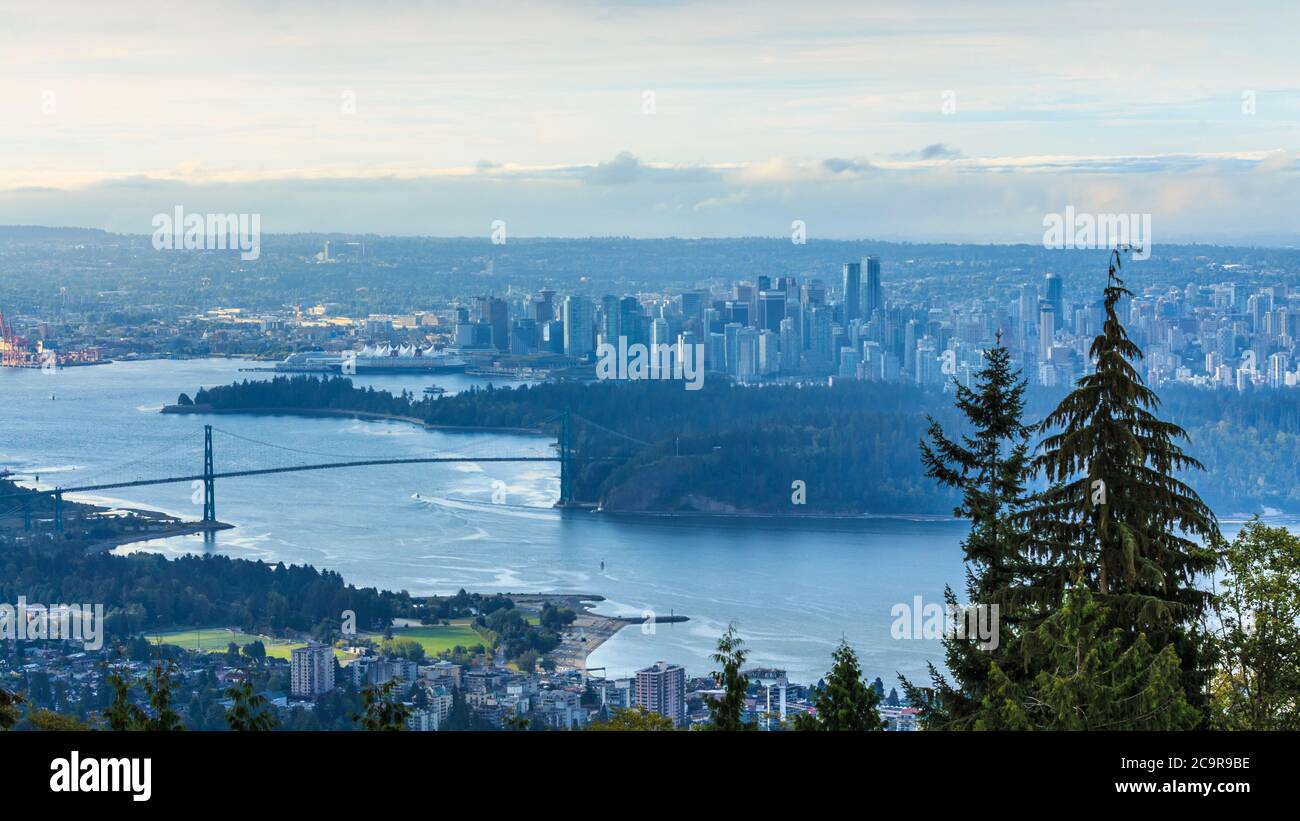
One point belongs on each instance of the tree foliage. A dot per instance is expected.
(633, 719)
(1114, 509)
(9, 708)
(1257, 684)
(1093, 677)
(844, 702)
(124, 714)
(990, 466)
(248, 711)
(727, 711)
(381, 711)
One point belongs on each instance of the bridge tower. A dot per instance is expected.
(566, 476)
(58, 510)
(209, 486)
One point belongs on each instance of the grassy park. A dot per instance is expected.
(433, 638)
(437, 638)
(217, 639)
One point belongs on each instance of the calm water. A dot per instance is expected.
(793, 590)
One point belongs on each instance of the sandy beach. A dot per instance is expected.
(587, 632)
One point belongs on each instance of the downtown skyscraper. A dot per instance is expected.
(875, 291)
(852, 291)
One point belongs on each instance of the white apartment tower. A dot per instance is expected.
(311, 670)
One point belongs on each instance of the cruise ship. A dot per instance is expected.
(375, 358)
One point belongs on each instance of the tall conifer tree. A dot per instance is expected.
(990, 466)
(1114, 511)
(845, 702)
(727, 710)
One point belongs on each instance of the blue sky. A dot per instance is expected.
(440, 118)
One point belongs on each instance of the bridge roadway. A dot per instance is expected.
(231, 474)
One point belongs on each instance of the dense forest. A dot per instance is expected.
(727, 448)
(148, 591)
(724, 448)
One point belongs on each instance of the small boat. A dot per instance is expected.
(434, 390)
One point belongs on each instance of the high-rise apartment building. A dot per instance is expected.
(311, 670)
(662, 689)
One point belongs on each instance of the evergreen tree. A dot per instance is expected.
(9, 704)
(846, 702)
(380, 710)
(459, 717)
(161, 690)
(123, 714)
(249, 711)
(725, 711)
(990, 466)
(1093, 677)
(1115, 509)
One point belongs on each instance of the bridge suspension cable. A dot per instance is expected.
(632, 439)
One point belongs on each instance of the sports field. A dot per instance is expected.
(217, 639)
(437, 638)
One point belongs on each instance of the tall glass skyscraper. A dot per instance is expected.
(852, 291)
(875, 292)
(1052, 285)
(578, 326)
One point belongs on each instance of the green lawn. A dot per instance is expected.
(437, 638)
(217, 639)
(434, 638)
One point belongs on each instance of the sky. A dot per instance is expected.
(892, 120)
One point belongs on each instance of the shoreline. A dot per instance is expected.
(180, 528)
(704, 516)
(588, 631)
(346, 414)
(144, 524)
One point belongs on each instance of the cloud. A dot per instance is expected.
(621, 170)
(939, 151)
(1212, 198)
(836, 165)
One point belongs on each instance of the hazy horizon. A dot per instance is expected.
(569, 118)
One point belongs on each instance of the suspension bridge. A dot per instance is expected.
(565, 455)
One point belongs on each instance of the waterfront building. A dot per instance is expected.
(661, 689)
